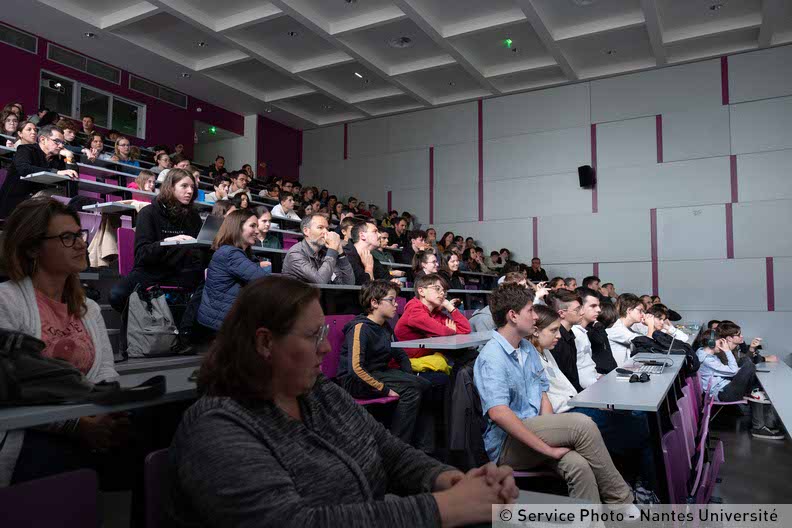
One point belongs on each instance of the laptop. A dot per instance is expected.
(651, 367)
(210, 228)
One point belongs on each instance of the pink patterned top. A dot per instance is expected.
(64, 334)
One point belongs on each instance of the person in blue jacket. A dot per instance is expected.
(231, 267)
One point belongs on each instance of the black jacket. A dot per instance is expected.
(600, 348)
(154, 225)
(366, 351)
(29, 159)
(565, 354)
(361, 277)
(537, 276)
(402, 240)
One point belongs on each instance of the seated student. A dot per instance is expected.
(332, 200)
(522, 430)
(567, 305)
(364, 240)
(352, 204)
(399, 238)
(647, 301)
(424, 263)
(570, 283)
(744, 349)
(266, 239)
(363, 370)
(659, 313)
(589, 311)
(285, 207)
(536, 272)
(362, 209)
(10, 124)
(270, 191)
(620, 336)
(294, 444)
(556, 283)
(416, 243)
(608, 291)
(381, 253)
(240, 201)
(430, 314)
(92, 149)
(69, 135)
(164, 161)
(145, 181)
(231, 267)
(221, 184)
(481, 320)
(318, 257)
(222, 208)
(622, 432)
(729, 380)
(446, 242)
(431, 239)
(45, 299)
(591, 282)
(345, 229)
(494, 261)
(218, 167)
(171, 216)
(450, 271)
(239, 185)
(123, 152)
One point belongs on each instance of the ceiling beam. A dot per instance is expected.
(367, 21)
(424, 21)
(544, 34)
(772, 12)
(655, 30)
(127, 15)
(248, 18)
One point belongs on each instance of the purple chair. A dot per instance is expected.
(676, 470)
(155, 474)
(126, 250)
(678, 421)
(718, 458)
(401, 302)
(288, 242)
(712, 401)
(67, 500)
(701, 466)
(330, 361)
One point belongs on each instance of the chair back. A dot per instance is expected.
(156, 487)
(336, 339)
(67, 500)
(676, 470)
(126, 250)
(678, 421)
(401, 302)
(288, 242)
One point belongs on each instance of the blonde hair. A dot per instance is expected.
(133, 153)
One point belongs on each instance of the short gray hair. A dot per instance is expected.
(305, 223)
(47, 130)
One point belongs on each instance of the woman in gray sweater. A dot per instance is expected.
(274, 443)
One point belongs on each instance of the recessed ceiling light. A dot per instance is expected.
(452, 83)
(293, 34)
(583, 3)
(267, 109)
(202, 44)
(514, 50)
(351, 2)
(716, 7)
(88, 34)
(327, 107)
(358, 75)
(185, 75)
(400, 42)
(610, 52)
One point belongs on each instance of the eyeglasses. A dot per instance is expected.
(436, 287)
(123, 145)
(68, 239)
(391, 300)
(321, 334)
(58, 142)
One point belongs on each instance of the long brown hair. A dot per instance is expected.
(233, 367)
(142, 178)
(230, 232)
(545, 317)
(167, 195)
(24, 230)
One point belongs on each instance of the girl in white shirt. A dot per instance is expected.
(631, 311)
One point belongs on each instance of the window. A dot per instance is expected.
(18, 39)
(73, 99)
(83, 63)
(158, 92)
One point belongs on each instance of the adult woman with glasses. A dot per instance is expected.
(44, 299)
(124, 153)
(10, 123)
(272, 440)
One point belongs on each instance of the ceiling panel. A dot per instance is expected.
(256, 75)
(350, 80)
(334, 11)
(694, 17)
(285, 37)
(399, 103)
(712, 46)
(492, 54)
(101, 8)
(454, 13)
(318, 108)
(528, 80)
(606, 53)
(564, 15)
(442, 84)
(226, 8)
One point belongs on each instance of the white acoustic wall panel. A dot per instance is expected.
(323, 174)
(536, 154)
(691, 233)
(680, 183)
(761, 125)
(764, 176)
(772, 327)
(761, 229)
(627, 277)
(616, 236)
(760, 74)
(654, 92)
(627, 143)
(440, 126)
(555, 194)
(323, 144)
(416, 201)
(782, 278)
(517, 235)
(551, 109)
(368, 138)
(710, 284)
(578, 271)
(369, 176)
(455, 183)
(696, 133)
(408, 169)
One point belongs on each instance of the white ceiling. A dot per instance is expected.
(298, 59)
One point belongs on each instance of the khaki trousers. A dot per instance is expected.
(588, 469)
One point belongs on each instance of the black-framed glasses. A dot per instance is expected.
(58, 142)
(68, 239)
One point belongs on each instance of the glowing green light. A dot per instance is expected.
(508, 43)
(213, 130)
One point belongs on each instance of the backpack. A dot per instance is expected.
(466, 424)
(28, 378)
(148, 326)
(659, 343)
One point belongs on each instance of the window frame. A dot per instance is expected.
(35, 52)
(87, 58)
(77, 87)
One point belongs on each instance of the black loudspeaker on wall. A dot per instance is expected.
(587, 176)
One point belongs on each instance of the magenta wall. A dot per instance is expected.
(280, 147)
(165, 123)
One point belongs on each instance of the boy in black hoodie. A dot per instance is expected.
(363, 370)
